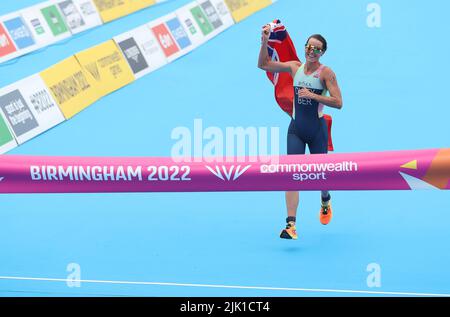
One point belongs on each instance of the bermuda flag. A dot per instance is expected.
(282, 49)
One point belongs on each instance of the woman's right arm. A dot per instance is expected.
(265, 62)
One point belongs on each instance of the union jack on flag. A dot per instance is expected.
(282, 49)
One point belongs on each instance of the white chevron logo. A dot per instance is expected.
(416, 183)
(231, 174)
(1, 178)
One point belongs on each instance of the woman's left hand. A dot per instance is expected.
(306, 93)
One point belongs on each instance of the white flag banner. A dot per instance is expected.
(29, 108)
(44, 33)
(217, 14)
(19, 34)
(89, 13)
(73, 17)
(171, 36)
(186, 17)
(141, 50)
(223, 12)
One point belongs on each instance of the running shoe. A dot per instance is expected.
(325, 214)
(290, 232)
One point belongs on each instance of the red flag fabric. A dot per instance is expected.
(282, 49)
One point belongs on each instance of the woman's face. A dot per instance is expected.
(313, 50)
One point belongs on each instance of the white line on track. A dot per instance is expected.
(263, 288)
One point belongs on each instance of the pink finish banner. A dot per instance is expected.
(392, 170)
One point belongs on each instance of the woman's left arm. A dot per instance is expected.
(335, 98)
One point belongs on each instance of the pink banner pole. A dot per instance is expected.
(392, 170)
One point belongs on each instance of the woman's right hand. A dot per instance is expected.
(265, 33)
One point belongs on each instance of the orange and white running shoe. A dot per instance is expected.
(290, 232)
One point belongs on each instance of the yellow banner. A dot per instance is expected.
(113, 9)
(106, 65)
(70, 86)
(141, 4)
(240, 9)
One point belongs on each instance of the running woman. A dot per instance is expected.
(312, 81)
